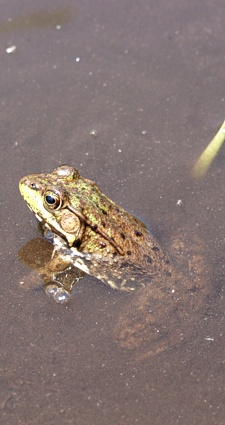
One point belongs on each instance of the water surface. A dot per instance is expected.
(130, 94)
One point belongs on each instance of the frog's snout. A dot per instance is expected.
(27, 183)
(23, 182)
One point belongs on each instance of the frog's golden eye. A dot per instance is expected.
(52, 200)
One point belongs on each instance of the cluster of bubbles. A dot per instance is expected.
(59, 294)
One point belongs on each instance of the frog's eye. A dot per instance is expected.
(52, 200)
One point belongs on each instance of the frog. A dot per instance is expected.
(91, 234)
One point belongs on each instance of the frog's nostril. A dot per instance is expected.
(30, 183)
(25, 181)
(33, 185)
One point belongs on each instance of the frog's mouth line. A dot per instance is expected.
(37, 216)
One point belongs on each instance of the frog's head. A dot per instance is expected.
(47, 195)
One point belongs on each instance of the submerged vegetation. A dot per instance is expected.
(208, 155)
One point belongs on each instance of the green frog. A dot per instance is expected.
(92, 234)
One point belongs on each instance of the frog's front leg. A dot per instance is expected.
(60, 277)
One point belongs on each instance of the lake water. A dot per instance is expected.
(129, 93)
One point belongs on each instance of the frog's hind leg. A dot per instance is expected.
(165, 311)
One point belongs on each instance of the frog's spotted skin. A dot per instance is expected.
(103, 239)
(93, 234)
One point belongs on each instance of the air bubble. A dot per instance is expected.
(51, 290)
(48, 234)
(61, 296)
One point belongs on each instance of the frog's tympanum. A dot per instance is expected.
(95, 235)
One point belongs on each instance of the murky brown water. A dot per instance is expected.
(129, 93)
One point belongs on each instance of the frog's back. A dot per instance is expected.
(110, 230)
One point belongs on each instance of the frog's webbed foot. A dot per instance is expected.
(60, 285)
(60, 277)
